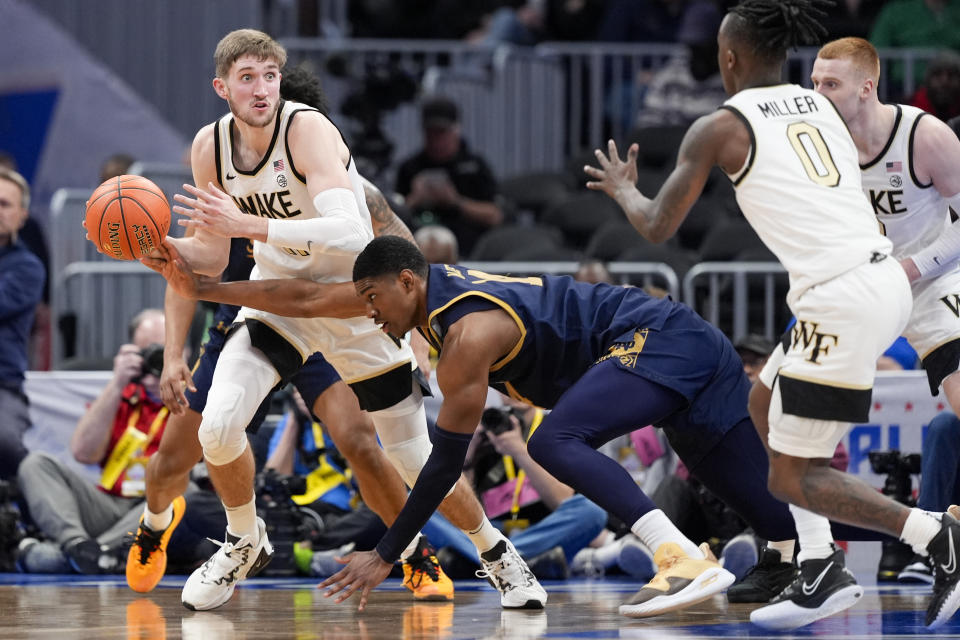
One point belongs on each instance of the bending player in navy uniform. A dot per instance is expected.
(718, 444)
(908, 161)
(279, 173)
(783, 145)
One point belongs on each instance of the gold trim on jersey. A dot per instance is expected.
(380, 372)
(506, 307)
(516, 395)
(826, 383)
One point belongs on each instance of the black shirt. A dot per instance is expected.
(470, 175)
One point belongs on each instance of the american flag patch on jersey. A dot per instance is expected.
(278, 165)
(892, 167)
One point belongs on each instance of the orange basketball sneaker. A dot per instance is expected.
(423, 574)
(147, 560)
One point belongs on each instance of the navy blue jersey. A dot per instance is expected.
(567, 326)
(238, 269)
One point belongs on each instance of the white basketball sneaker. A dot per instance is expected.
(508, 573)
(212, 584)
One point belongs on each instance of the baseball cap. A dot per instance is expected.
(700, 23)
(754, 343)
(439, 113)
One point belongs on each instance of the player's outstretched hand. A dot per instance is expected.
(614, 176)
(364, 571)
(210, 209)
(167, 261)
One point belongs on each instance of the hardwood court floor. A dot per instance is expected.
(104, 608)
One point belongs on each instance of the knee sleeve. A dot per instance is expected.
(241, 381)
(409, 457)
(402, 430)
(222, 431)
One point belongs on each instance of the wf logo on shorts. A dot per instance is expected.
(804, 337)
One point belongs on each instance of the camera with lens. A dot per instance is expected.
(377, 88)
(496, 420)
(287, 522)
(152, 356)
(11, 527)
(898, 468)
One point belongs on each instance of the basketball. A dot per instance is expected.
(127, 216)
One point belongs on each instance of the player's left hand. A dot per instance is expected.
(364, 571)
(214, 211)
(614, 175)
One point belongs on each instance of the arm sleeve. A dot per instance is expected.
(941, 255)
(437, 477)
(338, 230)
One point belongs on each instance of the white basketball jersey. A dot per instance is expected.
(276, 189)
(912, 214)
(800, 187)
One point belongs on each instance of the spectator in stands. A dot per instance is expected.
(22, 277)
(851, 18)
(689, 86)
(445, 182)
(593, 271)
(31, 234)
(438, 244)
(753, 350)
(546, 521)
(118, 432)
(641, 20)
(940, 92)
(916, 23)
(116, 165)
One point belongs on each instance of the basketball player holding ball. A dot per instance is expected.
(287, 165)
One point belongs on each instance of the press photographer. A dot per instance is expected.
(118, 432)
(898, 469)
(304, 480)
(544, 519)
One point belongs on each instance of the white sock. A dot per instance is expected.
(785, 547)
(157, 521)
(485, 537)
(242, 520)
(813, 532)
(654, 528)
(919, 530)
(411, 547)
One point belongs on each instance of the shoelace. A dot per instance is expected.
(148, 541)
(223, 558)
(421, 565)
(512, 572)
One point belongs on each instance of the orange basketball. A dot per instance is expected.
(127, 216)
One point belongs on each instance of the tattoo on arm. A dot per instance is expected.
(385, 221)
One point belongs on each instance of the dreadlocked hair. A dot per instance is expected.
(773, 26)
